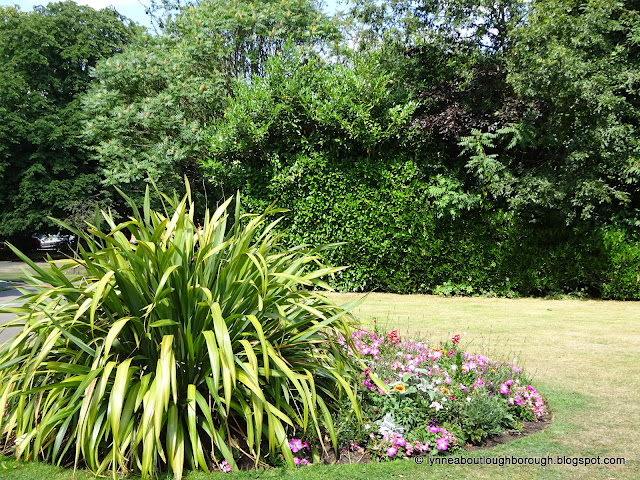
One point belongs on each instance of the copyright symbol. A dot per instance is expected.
(419, 460)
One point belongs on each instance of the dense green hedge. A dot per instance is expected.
(398, 238)
(414, 212)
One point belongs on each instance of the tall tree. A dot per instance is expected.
(151, 104)
(578, 60)
(45, 59)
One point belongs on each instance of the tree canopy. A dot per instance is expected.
(45, 60)
(151, 105)
(496, 141)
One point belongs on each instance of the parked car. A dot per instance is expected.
(52, 242)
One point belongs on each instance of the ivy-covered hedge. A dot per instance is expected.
(397, 238)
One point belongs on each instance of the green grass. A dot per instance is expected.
(581, 355)
(15, 271)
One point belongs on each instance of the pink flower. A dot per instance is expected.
(442, 443)
(295, 445)
(225, 467)
(455, 339)
(504, 388)
(392, 451)
(401, 442)
(397, 366)
(468, 366)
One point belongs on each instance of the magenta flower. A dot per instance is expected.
(504, 388)
(295, 445)
(392, 451)
(442, 443)
(401, 442)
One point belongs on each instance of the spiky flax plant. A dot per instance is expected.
(189, 348)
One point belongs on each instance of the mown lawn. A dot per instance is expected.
(582, 355)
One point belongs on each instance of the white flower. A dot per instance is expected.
(468, 399)
(367, 426)
(454, 368)
(437, 406)
(515, 360)
(444, 399)
(464, 333)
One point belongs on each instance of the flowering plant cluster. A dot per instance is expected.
(393, 444)
(297, 446)
(437, 398)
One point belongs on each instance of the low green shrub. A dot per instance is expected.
(623, 279)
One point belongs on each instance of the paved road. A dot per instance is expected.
(7, 296)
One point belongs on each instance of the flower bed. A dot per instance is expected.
(437, 401)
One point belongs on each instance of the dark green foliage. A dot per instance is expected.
(415, 212)
(578, 61)
(459, 147)
(45, 58)
(623, 280)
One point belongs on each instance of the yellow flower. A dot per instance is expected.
(400, 388)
